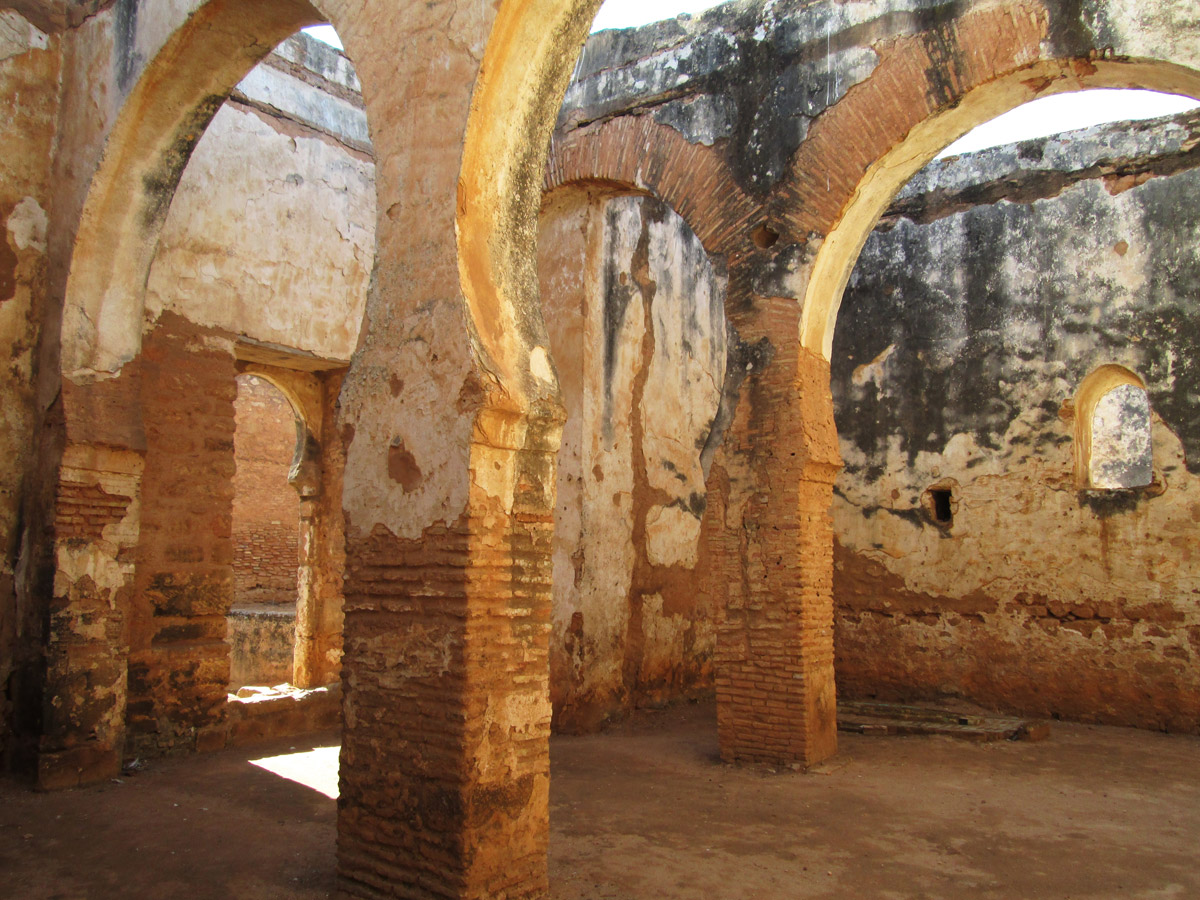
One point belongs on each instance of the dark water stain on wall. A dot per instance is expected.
(982, 307)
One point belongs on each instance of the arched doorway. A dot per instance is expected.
(266, 536)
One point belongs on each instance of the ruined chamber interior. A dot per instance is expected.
(819, 434)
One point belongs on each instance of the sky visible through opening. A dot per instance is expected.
(1040, 118)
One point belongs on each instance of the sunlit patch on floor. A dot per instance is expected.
(316, 768)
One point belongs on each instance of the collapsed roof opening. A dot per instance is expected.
(1048, 116)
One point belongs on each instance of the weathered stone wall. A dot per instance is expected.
(636, 319)
(995, 285)
(266, 508)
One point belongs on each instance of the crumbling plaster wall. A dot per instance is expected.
(271, 232)
(996, 283)
(636, 319)
(30, 63)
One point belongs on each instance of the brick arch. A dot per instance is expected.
(928, 90)
(643, 156)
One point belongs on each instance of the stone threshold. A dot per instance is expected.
(876, 717)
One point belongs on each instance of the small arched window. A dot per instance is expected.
(1112, 431)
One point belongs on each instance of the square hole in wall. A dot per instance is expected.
(939, 504)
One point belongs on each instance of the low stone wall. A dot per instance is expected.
(263, 715)
(262, 643)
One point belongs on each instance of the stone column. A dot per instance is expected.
(450, 421)
(324, 549)
(322, 553)
(307, 669)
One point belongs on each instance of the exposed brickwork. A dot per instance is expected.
(83, 715)
(179, 661)
(446, 694)
(84, 510)
(1082, 661)
(692, 179)
(266, 509)
(916, 76)
(445, 761)
(772, 555)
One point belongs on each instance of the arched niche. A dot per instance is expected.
(1113, 447)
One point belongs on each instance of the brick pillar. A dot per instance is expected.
(775, 686)
(179, 660)
(445, 751)
(96, 530)
(81, 692)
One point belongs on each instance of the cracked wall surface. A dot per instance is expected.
(636, 318)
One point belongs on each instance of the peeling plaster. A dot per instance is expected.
(27, 225)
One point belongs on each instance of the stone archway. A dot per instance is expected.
(168, 76)
(314, 475)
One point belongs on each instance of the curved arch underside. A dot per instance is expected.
(880, 183)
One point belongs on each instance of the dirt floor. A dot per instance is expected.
(648, 811)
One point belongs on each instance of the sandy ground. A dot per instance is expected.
(647, 811)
